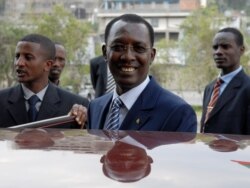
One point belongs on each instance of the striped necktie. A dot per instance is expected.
(110, 82)
(214, 98)
(113, 119)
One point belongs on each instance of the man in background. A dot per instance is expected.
(226, 102)
(101, 78)
(58, 65)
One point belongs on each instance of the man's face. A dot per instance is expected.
(126, 163)
(129, 54)
(226, 52)
(58, 65)
(30, 64)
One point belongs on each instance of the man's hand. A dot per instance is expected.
(80, 113)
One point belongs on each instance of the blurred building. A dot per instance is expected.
(16, 9)
(165, 16)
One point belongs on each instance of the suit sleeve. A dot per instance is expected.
(188, 119)
(182, 119)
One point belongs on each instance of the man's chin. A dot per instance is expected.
(21, 80)
(55, 72)
(219, 66)
(54, 75)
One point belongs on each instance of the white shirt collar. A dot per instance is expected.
(28, 93)
(228, 77)
(131, 96)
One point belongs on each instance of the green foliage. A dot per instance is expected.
(164, 48)
(70, 78)
(195, 47)
(199, 30)
(233, 4)
(61, 26)
(10, 33)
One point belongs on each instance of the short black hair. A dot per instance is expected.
(238, 35)
(130, 18)
(47, 45)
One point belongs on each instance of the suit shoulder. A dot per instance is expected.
(163, 96)
(102, 98)
(7, 91)
(97, 60)
(172, 98)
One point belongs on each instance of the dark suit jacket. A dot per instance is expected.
(155, 109)
(56, 102)
(98, 74)
(231, 114)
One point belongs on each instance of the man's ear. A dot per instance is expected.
(48, 65)
(104, 51)
(242, 49)
(152, 55)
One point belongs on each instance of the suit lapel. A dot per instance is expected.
(101, 111)
(16, 106)
(209, 93)
(141, 111)
(228, 94)
(48, 107)
(138, 115)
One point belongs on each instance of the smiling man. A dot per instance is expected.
(226, 102)
(138, 102)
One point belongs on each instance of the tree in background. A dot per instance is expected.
(10, 33)
(61, 26)
(195, 52)
(240, 5)
(199, 30)
(168, 64)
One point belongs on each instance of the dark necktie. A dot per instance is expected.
(113, 120)
(32, 112)
(214, 98)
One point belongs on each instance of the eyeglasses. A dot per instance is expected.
(122, 48)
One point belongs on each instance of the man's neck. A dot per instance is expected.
(55, 81)
(35, 88)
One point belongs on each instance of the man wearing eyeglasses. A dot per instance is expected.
(138, 102)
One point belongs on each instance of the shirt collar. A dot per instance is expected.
(131, 96)
(28, 93)
(228, 77)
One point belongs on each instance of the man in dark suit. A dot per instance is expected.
(129, 52)
(34, 57)
(98, 75)
(231, 112)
